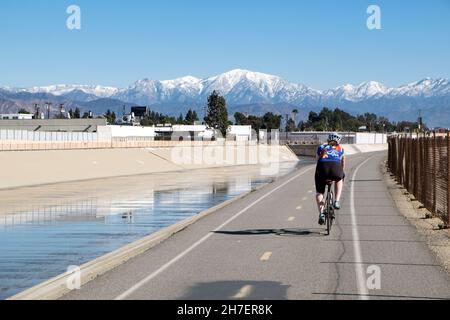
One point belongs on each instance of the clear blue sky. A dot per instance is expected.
(319, 43)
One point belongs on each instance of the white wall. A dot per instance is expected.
(24, 135)
(125, 131)
(188, 128)
(241, 132)
(370, 138)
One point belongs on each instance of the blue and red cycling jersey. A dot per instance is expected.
(327, 153)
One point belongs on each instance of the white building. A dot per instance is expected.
(18, 116)
(108, 132)
(240, 133)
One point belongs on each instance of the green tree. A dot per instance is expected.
(23, 111)
(180, 119)
(147, 121)
(271, 121)
(326, 123)
(240, 119)
(77, 113)
(290, 125)
(302, 126)
(217, 114)
(369, 120)
(110, 116)
(195, 117)
(191, 117)
(407, 126)
(336, 120)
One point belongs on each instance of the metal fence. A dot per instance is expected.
(321, 137)
(422, 165)
(48, 136)
(314, 137)
(115, 143)
(23, 140)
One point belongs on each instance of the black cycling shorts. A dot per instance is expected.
(328, 171)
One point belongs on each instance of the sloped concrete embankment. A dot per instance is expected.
(29, 168)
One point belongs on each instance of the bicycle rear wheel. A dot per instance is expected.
(329, 215)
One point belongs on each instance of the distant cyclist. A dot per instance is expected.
(330, 167)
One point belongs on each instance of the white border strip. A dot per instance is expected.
(359, 270)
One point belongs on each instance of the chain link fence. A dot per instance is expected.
(322, 137)
(421, 164)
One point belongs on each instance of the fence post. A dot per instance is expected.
(402, 161)
(416, 167)
(407, 163)
(421, 169)
(426, 161)
(434, 171)
(399, 155)
(448, 179)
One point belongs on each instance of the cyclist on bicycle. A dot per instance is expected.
(330, 167)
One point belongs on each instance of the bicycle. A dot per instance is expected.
(329, 207)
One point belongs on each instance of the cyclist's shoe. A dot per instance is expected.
(337, 205)
(322, 219)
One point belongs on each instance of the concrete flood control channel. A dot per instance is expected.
(69, 224)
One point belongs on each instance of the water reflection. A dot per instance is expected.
(56, 226)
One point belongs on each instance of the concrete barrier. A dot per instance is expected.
(308, 150)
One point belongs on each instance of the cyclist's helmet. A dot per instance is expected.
(335, 137)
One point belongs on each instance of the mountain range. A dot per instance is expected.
(246, 91)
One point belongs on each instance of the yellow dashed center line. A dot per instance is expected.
(291, 219)
(244, 292)
(299, 208)
(266, 256)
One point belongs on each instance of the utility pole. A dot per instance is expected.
(48, 104)
(36, 111)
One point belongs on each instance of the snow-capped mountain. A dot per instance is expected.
(62, 89)
(245, 87)
(249, 89)
(241, 87)
(238, 86)
(427, 88)
(350, 92)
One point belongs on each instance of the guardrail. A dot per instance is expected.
(421, 163)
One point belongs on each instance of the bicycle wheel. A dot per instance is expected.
(329, 207)
(332, 216)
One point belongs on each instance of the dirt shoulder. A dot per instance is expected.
(437, 238)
